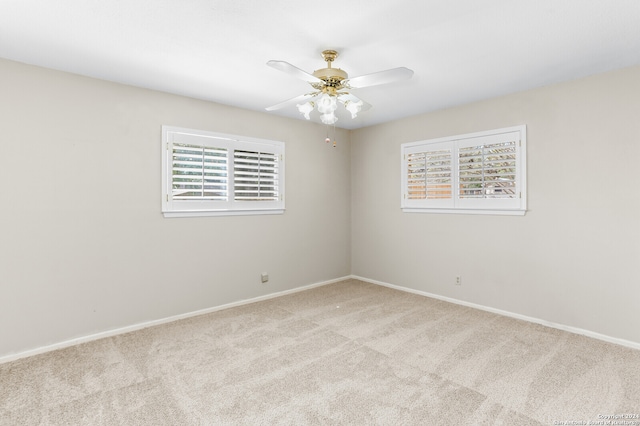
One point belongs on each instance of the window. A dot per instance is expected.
(474, 173)
(212, 174)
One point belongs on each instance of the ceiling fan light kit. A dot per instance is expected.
(331, 85)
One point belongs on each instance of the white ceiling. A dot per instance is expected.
(460, 50)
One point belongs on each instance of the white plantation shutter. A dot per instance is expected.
(439, 179)
(475, 173)
(488, 170)
(416, 175)
(428, 171)
(255, 176)
(199, 173)
(208, 174)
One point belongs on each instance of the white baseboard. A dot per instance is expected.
(574, 330)
(140, 326)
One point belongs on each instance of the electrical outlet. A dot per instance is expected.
(458, 280)
(264, 277)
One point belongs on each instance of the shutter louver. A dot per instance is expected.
(255, 176)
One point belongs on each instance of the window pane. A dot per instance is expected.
(429, 175)
(416, 176)
(488, 171)
(255, 176)
(438, 167)
(199, 173)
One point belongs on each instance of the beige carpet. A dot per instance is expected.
(346, 353)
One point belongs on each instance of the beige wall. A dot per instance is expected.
(84, 247)
(573, 260)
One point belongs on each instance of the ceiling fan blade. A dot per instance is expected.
(381, 77)
(292, 101)
(286, 67)
(348, 97)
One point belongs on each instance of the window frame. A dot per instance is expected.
(220, 141)
(457, 204)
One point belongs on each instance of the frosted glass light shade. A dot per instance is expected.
(305, 109)
(353, 107)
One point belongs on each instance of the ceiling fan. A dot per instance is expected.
(331, 87)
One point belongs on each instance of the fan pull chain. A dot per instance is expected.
(328, 139)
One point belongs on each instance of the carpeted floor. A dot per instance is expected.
(345, 353)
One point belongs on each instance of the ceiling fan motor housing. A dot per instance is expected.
(331, 76)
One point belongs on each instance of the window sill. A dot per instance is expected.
(208, 213)
(467, 211)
